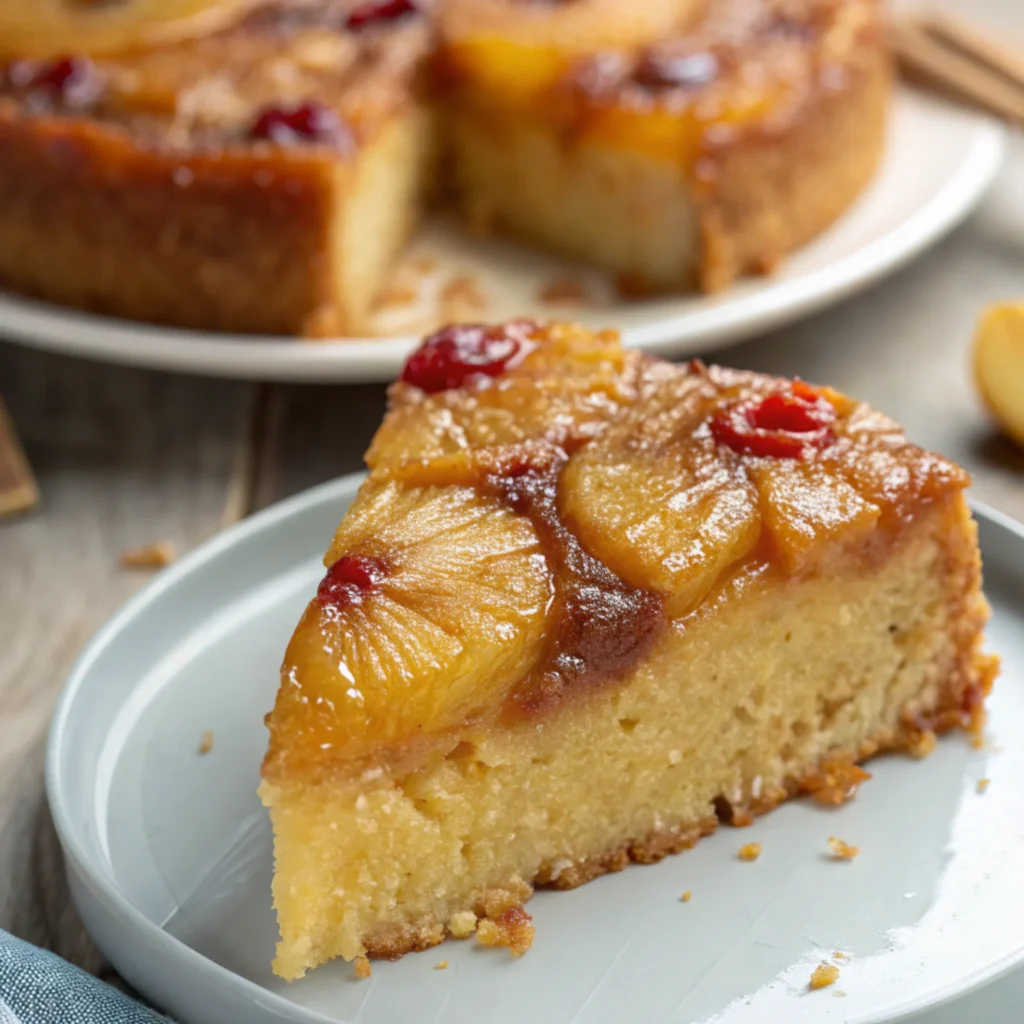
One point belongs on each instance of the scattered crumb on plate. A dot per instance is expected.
(462, 924)
(441, 965)
(686, 897)
(978, 741)
(838, 954)
(824, 975)
(149, 556)
(398, 294)
(461, 297)
(567, 289)
(839, 994)
(749, 851)
(841, 850)
(424, 264)
(363, 968)
(983, 784)
(923, 745)
(206, 742)
(513, 928)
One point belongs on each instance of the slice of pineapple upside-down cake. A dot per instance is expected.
(586, 605)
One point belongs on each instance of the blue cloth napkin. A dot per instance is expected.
(37, 987)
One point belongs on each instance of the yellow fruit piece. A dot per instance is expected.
(516, 50)
(457, 618)
(999, 365)
(807, 510)
(51, 28)
(659, 502)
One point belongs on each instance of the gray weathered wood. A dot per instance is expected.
(18, 491)
(123, 457)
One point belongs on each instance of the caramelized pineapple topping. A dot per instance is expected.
(541, 504)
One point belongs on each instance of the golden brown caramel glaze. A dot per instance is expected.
(55, 28)
(207, 93)
(520, 48)
(538, 526)
(750, 67)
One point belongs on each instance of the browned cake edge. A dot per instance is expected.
(227, 241)
(772, 194)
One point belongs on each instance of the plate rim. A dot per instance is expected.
(82, 864)
(49, 327)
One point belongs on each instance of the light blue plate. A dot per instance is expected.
(169, 851)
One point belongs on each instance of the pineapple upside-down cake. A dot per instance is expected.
(586, 605)
(258, 165)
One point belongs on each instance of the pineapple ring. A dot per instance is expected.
(53, 28)
(522, 47)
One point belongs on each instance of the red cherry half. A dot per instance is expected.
(350, 579)
(458, 353)
(379, 10)
(72, 80)
(303, 122)
(784, 425)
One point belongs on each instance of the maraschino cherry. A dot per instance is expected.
(456, 354)
(375, 11)
(350, 579)
(302, 122)
(784, 425)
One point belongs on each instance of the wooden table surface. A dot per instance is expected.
(127, 457)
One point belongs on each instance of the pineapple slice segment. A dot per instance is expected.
(52, 28)
(453, 617)
(806, 509)
(565, 392)
(659, 501)
(516, 50)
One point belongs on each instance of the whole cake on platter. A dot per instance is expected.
(586, 606)
(258, 165)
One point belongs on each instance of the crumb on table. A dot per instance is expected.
(206, 742)
(749, 851)
(512, 928)
(983, 784)
(363, 968)
(566, 288)
(149, 556)
(824, 975)
(841, 850)
(441, 965)
(685, 898)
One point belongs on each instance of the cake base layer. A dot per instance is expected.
(281, 242)
(764, 692)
